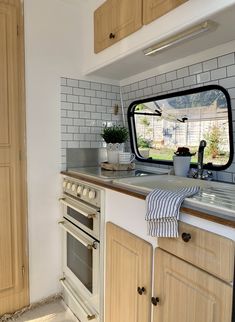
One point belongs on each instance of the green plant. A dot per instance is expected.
(213, 138)
(143, 143)
(115, 134)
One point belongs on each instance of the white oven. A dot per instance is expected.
(82, 267)
(84, 216)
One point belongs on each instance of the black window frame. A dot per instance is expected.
(133, 134)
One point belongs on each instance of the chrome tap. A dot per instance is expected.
(201, 148)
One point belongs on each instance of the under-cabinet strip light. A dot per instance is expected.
(181, 37)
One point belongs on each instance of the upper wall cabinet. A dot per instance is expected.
(114, 20)
(153, 9)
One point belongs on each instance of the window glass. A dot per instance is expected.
(161, 124)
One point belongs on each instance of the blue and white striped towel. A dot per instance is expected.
(163, 210)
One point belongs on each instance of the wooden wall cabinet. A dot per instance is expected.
(128, 277)
(114, 20)
(153, 9)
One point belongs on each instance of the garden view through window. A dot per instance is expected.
(160, 125)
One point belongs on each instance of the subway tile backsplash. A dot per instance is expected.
(85, 108)
(86, 105)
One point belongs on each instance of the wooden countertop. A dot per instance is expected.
(142, 195)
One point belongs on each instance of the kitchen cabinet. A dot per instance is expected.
(186, 293)
(128, 276)
(153, 9)
(114, 20)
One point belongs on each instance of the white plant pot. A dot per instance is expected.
(181, 165)
(113, 150)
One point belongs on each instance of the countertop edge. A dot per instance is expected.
(142, 195)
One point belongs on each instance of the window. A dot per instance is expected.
(159, 125)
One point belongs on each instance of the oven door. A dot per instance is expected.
(81, 262)
(84, 216)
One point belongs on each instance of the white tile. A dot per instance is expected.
(210, 64)
(101, 94)
(226, 60)
(148, 91)
(190, 80)
(73, 114)
(66, 105)
(79, 137)
(157, 89)
(134, 86)
(171, 76)
(227, 82)
(90, 108)
(72, 82)
(63, 81)
(85, 129)
(85, 115)
(80, 122)
(218, 73)
(79, 91)
(115, 89)
(231, 70)
(78, 107)
(84, 100)
(161, 79)
(95, 86)
(142, 84)
(203, 77)
(66, 121)
(195, 69)
(73, 144)
(73, 129)
(85, 144)
(177, 83)
(96, 116)
(167, 86)
(112, 96)
(72, 98)
(84, 84)
(67, 136)
(151, 81)
(90, 92)
(66, 90)
(106, 87)
(183, 72)
(106, 102)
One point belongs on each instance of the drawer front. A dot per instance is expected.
(210, 252)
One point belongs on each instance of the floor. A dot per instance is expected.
(55, 311)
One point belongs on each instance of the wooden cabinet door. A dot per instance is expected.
(13, 281)
(187, 293)
(153, 9)
(114, 20)
(128, 266)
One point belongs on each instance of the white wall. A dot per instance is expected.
(52, 49)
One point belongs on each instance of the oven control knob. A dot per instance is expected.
(68, 185)
(74, 186)
(64, 184)
(79, 190)
(91, 194)
(85, 192)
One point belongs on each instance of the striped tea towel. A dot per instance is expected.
(163, 210)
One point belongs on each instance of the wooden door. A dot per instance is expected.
(187, 293)
(13, 265)
(128, 266)
(115, 20)
(153, 9)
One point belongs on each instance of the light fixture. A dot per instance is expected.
(176, 39)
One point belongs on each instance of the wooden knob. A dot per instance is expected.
(141, 290)
(155, 300)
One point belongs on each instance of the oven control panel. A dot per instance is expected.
(82, 191)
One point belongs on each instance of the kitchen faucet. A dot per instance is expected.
(201, 148)
(200, 173)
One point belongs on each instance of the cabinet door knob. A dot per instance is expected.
(111, 36)
(141, 290)
(186, 237)
(155, 300)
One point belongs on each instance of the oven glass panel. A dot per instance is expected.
(88, 222)
(79, 261)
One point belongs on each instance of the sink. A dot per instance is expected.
(213, 196)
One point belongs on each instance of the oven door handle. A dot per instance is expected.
(77, 208)
(89, 315)
(94, 245)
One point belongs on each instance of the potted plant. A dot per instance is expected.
(143, 146)
(115, 136)
(181, 161)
